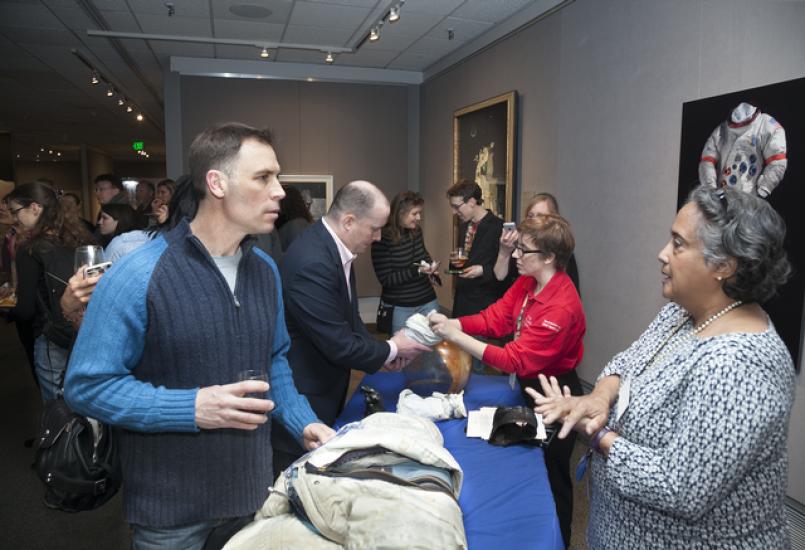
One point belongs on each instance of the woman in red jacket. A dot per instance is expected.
(543, 312)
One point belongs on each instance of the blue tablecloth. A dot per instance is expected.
(506, 499)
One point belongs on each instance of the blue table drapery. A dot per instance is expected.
(506, 499)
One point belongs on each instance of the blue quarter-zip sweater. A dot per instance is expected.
(161, 324)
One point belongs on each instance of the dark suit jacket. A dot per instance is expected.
(474, 295)
(328, 337)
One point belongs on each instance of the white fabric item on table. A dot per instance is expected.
(438, 406)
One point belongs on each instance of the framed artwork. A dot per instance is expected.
(782, 102)
(483, 150)
(317, 191)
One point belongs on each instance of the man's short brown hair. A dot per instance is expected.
(467, 190)
(216, 148)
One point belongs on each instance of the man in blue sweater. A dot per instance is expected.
(166, 333)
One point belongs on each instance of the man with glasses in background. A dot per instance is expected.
(478, 234)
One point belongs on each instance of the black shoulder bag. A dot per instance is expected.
(76, 458)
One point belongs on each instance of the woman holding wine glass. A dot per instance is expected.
(44, 263)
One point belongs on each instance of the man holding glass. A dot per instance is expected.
(166, 334)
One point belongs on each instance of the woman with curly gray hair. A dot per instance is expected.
(688, 426)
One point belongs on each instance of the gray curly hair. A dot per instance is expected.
(739, 225)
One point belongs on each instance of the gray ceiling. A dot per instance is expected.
(46, 100)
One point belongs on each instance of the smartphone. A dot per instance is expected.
(97, 269)
(509, 226)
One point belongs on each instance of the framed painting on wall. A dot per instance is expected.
(317, 191)
(483, 150)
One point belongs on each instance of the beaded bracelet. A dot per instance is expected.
(595, 444)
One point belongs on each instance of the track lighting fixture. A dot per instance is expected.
(121, 101)
(129, 108)
(394, 14)
(264, 53)
(374, 34)
(110, 92)
(94, 78)
(329, 59)
(139, 117)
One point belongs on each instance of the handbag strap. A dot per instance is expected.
(74, 485)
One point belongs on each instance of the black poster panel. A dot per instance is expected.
(785, 102)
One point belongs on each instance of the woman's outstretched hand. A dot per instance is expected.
(586, 414)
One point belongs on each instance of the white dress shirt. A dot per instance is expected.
(347, 257)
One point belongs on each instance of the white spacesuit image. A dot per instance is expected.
(747, 152)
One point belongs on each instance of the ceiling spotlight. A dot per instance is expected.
(110, 92)
(139, 117)
(94, 79)
(129, 109)
(58, 154)
(121, 101)
(41, 149)
(50, 151)
(329, 59)
(264, 53)
(394, 14)
(374, 34)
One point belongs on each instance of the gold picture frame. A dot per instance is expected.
(478, 131)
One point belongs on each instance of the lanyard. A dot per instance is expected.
(519, 323)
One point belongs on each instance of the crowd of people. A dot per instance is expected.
(226, 270)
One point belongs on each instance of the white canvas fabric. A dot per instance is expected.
(355, 513)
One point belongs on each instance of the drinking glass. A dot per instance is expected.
(253, 374)
(87, 255)
(458, 258)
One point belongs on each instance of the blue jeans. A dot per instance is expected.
(401, 313)
(50, 362)
(192, 536)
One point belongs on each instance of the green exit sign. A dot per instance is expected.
(137, 145)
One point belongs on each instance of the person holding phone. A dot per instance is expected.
(397, 258)
(541, 203)
(44, 263)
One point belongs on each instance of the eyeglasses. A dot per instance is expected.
(457, 206)
(525, 251)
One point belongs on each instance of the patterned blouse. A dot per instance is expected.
(702, 458)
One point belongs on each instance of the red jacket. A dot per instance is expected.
(551, 334)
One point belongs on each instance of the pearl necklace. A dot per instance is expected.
(665, 350)
(717, 316)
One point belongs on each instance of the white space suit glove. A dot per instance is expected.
(417, 328)
(437, 407)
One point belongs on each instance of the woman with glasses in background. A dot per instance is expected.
(544, 313)
(541, 203)
(45, 261)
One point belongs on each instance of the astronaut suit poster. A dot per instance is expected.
(753, 141)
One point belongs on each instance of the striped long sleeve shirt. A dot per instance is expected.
(394, 266)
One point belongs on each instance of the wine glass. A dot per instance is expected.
(458, 258)
(87, 255)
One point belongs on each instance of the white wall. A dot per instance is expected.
(601, 87)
